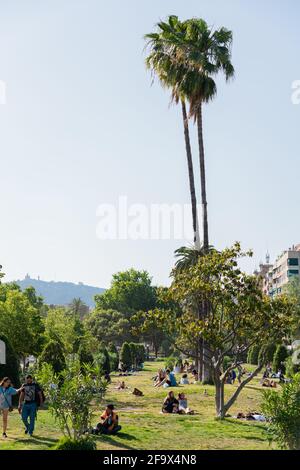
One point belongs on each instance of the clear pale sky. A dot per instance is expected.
(82, 125)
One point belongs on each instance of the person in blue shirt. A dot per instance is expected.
(169, 381)
(6, 394)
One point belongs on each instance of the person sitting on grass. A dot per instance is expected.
(184, 380)
(121, 386)
(195, 376)
(169, 380)
(161, 375)
(183, 405)
(170, 404)
(110, 422)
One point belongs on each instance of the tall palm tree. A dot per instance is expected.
(188, 56)
(163, 62)
(197, 54)
(207, 53)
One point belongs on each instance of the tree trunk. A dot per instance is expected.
(206, 370)
(203, 180)
(219, 398)
(200, 362)
(191, 175)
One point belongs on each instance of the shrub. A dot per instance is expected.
(102, 360)
(281, 354)
(66, 443)
(226, 362)
(53, 354)
(85, 357)
(253, 355)
(170, 362)
(125, 356)
(138, 354)
(283, 413)
(290, 368)
(11, 369)
(266, 354)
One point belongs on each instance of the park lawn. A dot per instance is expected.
(144, 427)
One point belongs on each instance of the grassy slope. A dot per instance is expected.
(145, 428)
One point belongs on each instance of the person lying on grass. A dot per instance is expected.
(171, 404)
(110, 422)
(183, 405)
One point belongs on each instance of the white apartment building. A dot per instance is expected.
(286, 267)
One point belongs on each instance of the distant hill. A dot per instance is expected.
(61, 293)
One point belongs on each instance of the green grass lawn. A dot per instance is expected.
(144, 427)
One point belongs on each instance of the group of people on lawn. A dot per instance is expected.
(166, 378)
(31, 397)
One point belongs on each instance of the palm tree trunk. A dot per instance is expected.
(191, 174)
(203, 180)
(206, 374)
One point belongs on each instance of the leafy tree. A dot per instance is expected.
(69, 397)
(292, 289)
(283, 412)
(11, 369)
(64, 327)
(108, 326)
(125, 356)
(281, 354)
(21, 322)
(239, 317)
(130, 292)
(53, 354)
(1, 274)
(147, 325)
(167, 347)
(78, 308)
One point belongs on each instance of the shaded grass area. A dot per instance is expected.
(144, 427)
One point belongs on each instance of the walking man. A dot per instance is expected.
(30, 397)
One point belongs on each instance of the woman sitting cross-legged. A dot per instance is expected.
(170, 404)
(110, 422)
